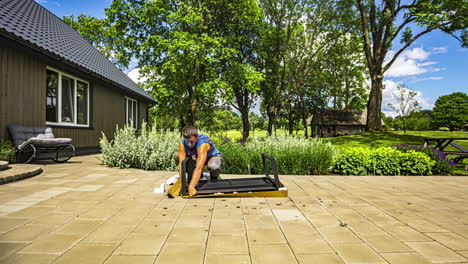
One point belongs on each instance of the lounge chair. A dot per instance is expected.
(36, 143)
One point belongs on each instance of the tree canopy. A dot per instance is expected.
(295, 57)
(451, 111)
(383, 21)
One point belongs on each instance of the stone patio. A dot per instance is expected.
(82, 212)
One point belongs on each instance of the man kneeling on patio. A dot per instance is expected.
(201, 151)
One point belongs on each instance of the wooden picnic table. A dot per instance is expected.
(442, 143)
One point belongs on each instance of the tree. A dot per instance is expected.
(420, 120)
(295, 33)
(405, 103)
(219, 120)
(176, 49)
(451, 110)
(380, 28)
(280, 35)
(345, 64)
(239, 24)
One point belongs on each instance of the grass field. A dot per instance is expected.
(378, 139)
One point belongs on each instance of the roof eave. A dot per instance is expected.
(72, 64)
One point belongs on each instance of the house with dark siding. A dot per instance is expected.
(51, 76)
(331, 123)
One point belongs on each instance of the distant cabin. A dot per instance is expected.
(51, 76)
(331, 123)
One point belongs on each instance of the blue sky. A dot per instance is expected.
(434, 65)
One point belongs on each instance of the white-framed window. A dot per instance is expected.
(67, 100)
(131, 112)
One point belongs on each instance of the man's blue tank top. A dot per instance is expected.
(201, 140)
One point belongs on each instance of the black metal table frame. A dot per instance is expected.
(266, 183)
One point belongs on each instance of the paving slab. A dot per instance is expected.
(19, 258)
(52, 244)
(126, 259)
(435, 252)
(181, 253)
(450, 240)
(319, 259)
(227, 259)
(25, 233)
(87, 253)
(8, 248)
(313, 244)
(405, 258)
(357, 253)
(225, 245)
(141, 244)
(84, 212)
(271, 254)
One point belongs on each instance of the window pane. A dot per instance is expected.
(51, 97)
(129, 112)
(82, 103)
(67, 100)
(135, 110)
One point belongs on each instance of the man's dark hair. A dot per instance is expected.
(189, 131)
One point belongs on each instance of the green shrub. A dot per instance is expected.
(153, 150)
(293, 155)
(444, 129)
(7, 151)
(442, 165)
(148, 150)
(382, 161)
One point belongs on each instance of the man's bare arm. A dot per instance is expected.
(202, 154)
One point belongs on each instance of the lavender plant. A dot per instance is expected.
(442, 166)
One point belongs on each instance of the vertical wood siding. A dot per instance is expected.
(22, 90)
(23, 100)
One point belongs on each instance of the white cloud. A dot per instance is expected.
(439, 50)
(389, 98)
(432, 78)
(412, 62)
(417, 54)
(135, 76)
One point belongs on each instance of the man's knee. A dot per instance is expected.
(214, 163)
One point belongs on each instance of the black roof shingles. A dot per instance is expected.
(29, 21)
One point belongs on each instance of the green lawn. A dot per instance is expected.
(367, 139)
(390, 138)
(378, 139)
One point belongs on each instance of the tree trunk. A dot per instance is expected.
(270, 127)
(312, 134)
(242, 101)
(245, 125)
(304, 123)
(291, 123)
(190, 118)
(374, 106)
(270, 122)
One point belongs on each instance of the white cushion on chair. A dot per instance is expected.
(45, 142)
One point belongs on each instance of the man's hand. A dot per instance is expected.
(192, 191)
(201, 159)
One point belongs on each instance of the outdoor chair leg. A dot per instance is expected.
(60, 150)
(26, 149)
